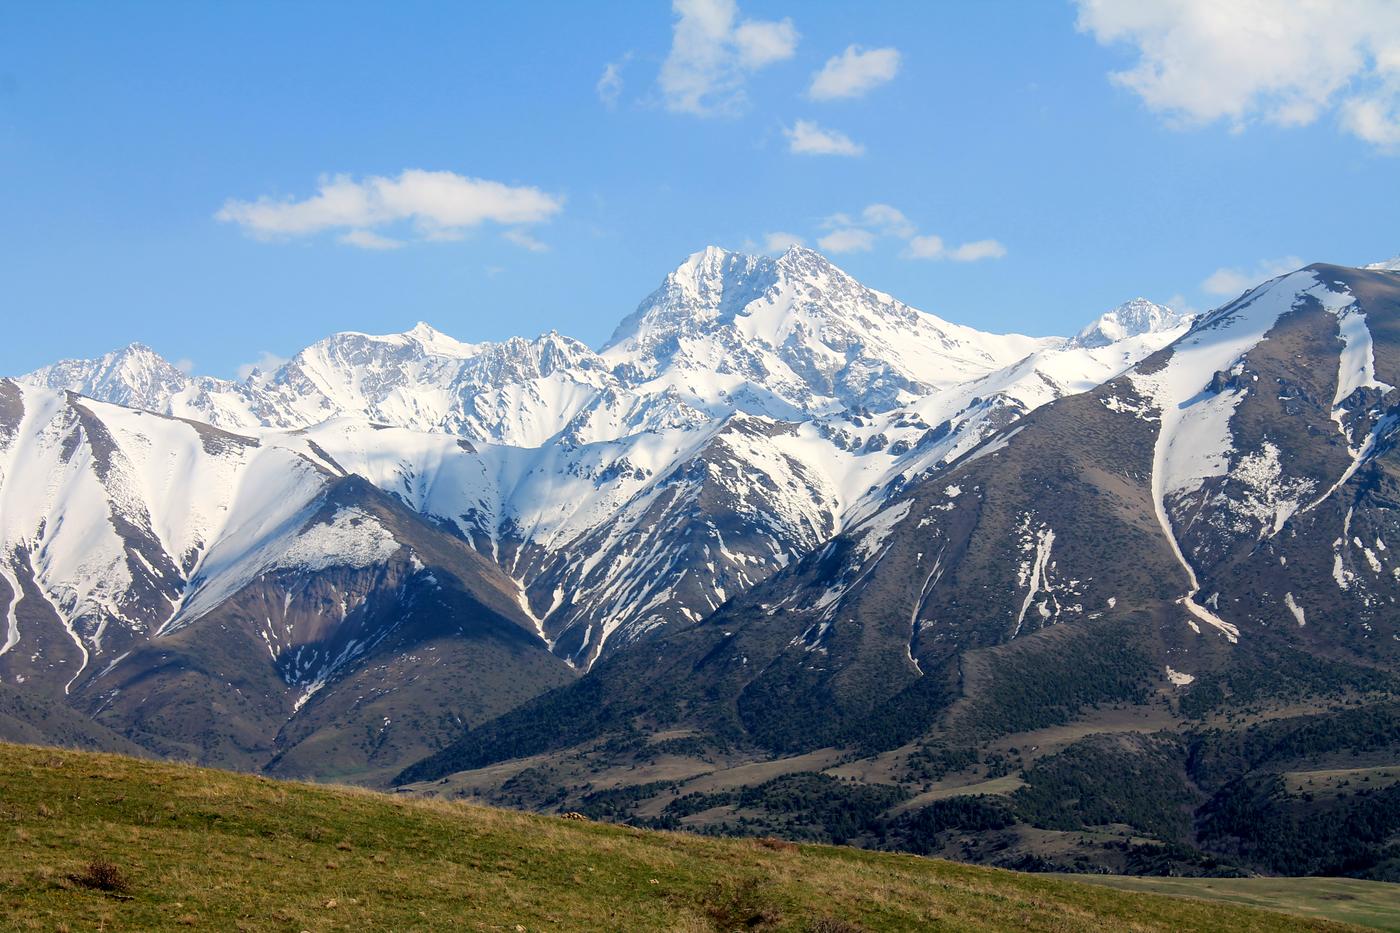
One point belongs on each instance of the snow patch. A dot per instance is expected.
(352, 538)
(1194, 440)
(1034, 576)
(1298, 614)
(1180, 679)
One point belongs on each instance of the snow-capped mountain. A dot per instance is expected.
(749, 410)
(573, 459)
(135, 376)
(1134, 318)
(1219, 519)
(795, 335)
(145, 556)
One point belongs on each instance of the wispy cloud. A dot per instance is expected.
(609, 86)
(929, 246)
(1229, 282)
(779, 241)
(976, 251)
(854, 73)
(1282, 62)
(525, 241)
(265, 363)
(368, 239)
(713, 53)
(435, 205)
(848, 240)
(1181, 305)
(888, 220)
(860, 233)
(806, 138)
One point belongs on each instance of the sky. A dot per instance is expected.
(228, 183)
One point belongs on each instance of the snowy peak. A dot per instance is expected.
(719, 279)
(128, 376)
(711, 286)
(520, 360)
(792, 337)
(436, 343)
(1134, 318)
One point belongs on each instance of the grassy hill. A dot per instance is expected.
(93, 841)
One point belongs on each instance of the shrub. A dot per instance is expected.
(101, 875)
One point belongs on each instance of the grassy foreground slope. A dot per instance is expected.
(1369, 903)
(94, 841)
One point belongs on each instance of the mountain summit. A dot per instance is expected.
(556, 504)
(796, 333)
(1134, 318)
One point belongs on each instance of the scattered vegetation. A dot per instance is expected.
(1284, 674)
(918, 831)
(1137, 781)
(803, 805)
(1049, 679)
(1341, 834)
(101, 875)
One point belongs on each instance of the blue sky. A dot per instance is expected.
(1031, 164)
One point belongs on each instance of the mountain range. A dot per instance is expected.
(1050, 602)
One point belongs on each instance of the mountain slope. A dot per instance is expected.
(230, 847)
(1162, 608)
(197, 591)
(1212, 528)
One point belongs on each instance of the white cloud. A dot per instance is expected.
(763, 43)
(933, 247)
(888, 220)
(712, 55)
(924, 247)
(976, 251)
(806, 138)
(854, 73)
(860, 233)
(851, 234)
(848, 240)
(265, 363)
(1374, 119)
(779, 241)
(609, 86)
(1281, 61)
(184, 365)
(438, 205)
(1229, 282)
(524, 240)
(368, 239)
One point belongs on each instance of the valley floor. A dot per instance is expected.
(96, 841)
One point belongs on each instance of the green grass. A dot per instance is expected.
(201, 849)
(1366, 903)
